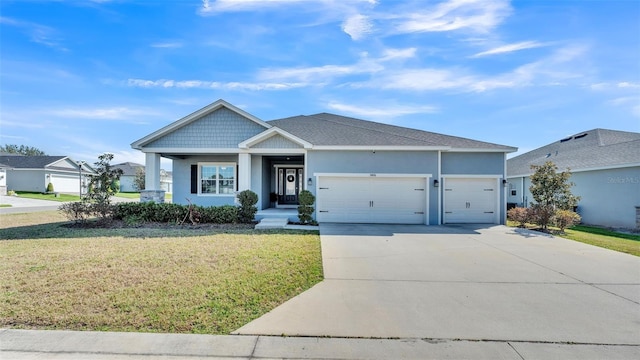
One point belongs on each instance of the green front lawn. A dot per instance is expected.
(612, 240)
(40, 196)
(179, 280)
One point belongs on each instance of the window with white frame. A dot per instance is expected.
(217, 178)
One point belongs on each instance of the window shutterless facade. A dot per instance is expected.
(217, 179)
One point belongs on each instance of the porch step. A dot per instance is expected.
(272, 223)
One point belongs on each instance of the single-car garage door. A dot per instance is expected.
(65, 183)
(385, 200)
(470, 200)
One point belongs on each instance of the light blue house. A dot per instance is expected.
(360, 171)
(605, 167)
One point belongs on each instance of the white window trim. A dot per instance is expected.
(235, 178)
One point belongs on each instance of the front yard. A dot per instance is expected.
(147, 279)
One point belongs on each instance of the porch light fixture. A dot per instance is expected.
(436, 183)
(504, 182)
(310, 182)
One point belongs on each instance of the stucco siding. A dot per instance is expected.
(472, 163)
(276, 142)
(182, 181)
(222, 128)
(383, 162)
(608, 197)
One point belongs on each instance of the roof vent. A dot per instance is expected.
(566, 139)
(580, 136)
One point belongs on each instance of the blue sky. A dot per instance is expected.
(81, 78)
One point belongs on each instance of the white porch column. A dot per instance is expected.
(152, 191)
(244, 171)
(152, 171)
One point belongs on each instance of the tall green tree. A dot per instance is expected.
(551, 191)
(21, 150)
(102, 184)
(139, 179)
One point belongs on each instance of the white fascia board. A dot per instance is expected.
(194, 116)
(273, 151)
(272, 132)
(57, 161)
(372, 175)
(599, 168)
(381, 148)
(191, 151)
(484, 150)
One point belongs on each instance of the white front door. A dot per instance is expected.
(471, 200)
(387, 200)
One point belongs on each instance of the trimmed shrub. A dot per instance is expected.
(247, 211)
(115, 186)
(174, 213)
(77, 211)
(50, 187)
(305, 207)
(566, 218)
(520, 215)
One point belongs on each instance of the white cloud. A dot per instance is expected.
(475, 15)
(509, 48)
(628, 85)
(203, 84)
(357, 26)
(114, 113)
(167, 45)
(37, 33)
(382, 112)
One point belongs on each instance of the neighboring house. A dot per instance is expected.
(129, 172)
(34, 173)
(360, 171)
(605, 167)
(3, 179)
(128, 177)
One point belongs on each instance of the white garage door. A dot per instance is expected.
(65, 184)
(470, 201)
(385, 200)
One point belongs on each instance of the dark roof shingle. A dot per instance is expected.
(29, 162)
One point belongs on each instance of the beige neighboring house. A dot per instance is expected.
(129, 172)
(34, 173)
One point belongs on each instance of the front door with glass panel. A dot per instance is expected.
(289, 185)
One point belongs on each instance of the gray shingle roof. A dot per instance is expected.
(29, 162)
(595, 148)
(129, 168)
(326, 129)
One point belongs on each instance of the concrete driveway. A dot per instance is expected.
(476, 283)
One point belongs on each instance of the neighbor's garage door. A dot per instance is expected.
(385, 200)
(65, 184)
(470, 200)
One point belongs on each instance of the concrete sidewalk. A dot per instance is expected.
(75, 345)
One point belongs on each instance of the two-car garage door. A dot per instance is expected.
(359, 199)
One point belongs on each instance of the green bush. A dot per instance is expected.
(247, 212)
(520, 215)
(175, 213)
(77, 211)
(565, 218)
(305, 207)
(50, 187)
(115, 186)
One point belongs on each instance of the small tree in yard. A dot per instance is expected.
(305, 209)
(139, 179)
(551, 191)
(102, 186)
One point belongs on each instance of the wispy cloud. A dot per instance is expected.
(136, 116)
(509, 48)
(357, 26)
(204, 84)
(37, 33)
(387, 111)
(167, 45)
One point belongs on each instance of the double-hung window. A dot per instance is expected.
(217, 178)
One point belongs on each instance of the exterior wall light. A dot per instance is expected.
(310, 182)
(504, 182)
(436, 183)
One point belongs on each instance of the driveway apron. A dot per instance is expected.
(469, 282)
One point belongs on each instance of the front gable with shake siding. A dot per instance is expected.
(360, 171)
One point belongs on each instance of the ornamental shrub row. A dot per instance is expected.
(174, 213)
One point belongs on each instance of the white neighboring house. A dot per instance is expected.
(34, 173)
(129, 171)
(605, 167)
(3, 179)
